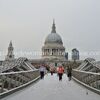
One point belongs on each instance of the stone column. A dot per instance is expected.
(58, 52)
(52, 52)
(44, 52)
(48, 52)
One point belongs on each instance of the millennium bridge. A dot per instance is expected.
(20, 80)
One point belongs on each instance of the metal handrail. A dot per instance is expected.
(7, 73)
(90, 80)
(86, 72)
(13, 80)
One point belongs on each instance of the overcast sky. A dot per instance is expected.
(28, 22)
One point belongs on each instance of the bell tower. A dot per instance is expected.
(10, 55)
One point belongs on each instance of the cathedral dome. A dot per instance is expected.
(53, 37)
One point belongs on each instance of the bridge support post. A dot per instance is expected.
(9, 85)
(2, 86)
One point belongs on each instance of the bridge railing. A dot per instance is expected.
(88, 79)
(14, 80)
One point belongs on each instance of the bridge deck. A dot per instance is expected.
(52, 89)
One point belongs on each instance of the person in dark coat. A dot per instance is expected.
(69, 72)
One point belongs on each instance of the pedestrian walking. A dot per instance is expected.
(52, 69)
(60, 72)
(42, 70)
(69, 73)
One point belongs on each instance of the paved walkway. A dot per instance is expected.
(52, 89)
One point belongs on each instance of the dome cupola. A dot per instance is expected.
(53, 37)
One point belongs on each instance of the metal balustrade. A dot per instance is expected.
(88, 79)
(15, 80)
(15, 63)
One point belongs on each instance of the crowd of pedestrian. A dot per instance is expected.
(59, 70)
